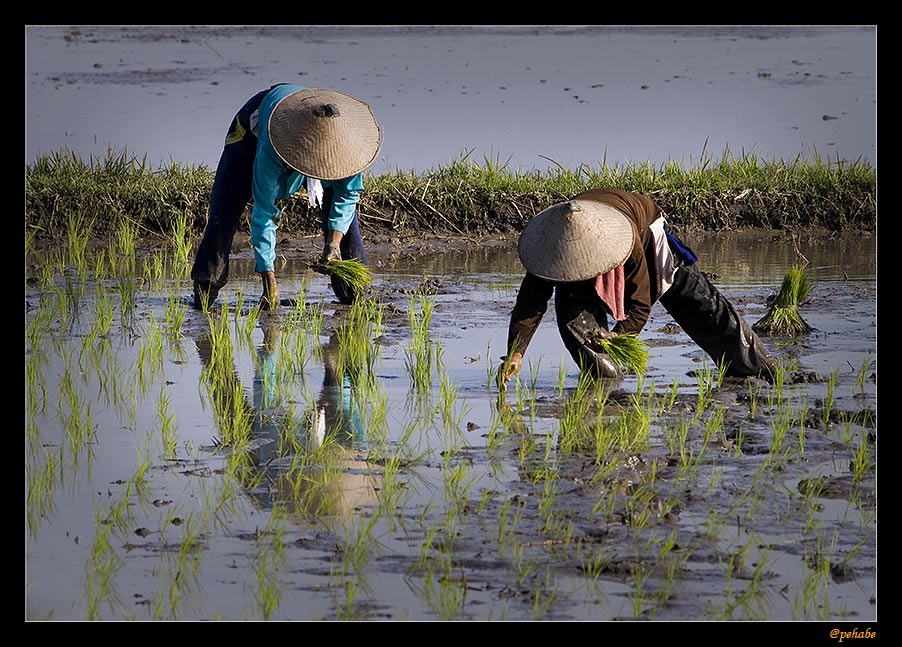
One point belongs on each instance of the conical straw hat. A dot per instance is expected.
(575, 241)
(324, 134)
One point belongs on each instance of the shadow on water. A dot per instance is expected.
(249, 465)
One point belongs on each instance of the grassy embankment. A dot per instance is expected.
(464, 197)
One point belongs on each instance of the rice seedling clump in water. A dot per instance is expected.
(626, 350)
(783, 316)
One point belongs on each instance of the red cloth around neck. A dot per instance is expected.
(609, 287)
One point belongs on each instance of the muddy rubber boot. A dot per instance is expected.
(204, 295)
(270, 298)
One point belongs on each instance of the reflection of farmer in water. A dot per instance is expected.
(312, 461)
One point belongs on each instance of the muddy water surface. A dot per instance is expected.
(435, 498)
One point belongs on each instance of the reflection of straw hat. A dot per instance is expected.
(325, 134)
(575, 241)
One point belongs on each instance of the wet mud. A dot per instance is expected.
(719, 500)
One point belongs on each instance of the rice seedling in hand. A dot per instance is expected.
(783, 316)
(354, 273)
(626, 350)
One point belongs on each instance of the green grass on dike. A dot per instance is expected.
(465, 197)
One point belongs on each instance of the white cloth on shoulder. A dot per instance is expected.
(314, 192)
(664, 261)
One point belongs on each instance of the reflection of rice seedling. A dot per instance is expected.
(626, 350)
(783, 316)
(351, 271)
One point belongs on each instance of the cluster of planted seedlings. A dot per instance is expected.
(783, 316)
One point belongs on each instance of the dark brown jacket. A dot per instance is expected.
(640, 275)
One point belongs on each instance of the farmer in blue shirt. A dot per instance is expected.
(280, 140)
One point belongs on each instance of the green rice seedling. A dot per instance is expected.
(544, 595)
(36, 401)
(721, 371)
(420, 354)
(705, 380)
(783, 317)
(829, 398)
(508, 520)
(181, 242)
(73, 291)
(640, 574)
(128, 297)
(102, 567)
(754, 394)
(266, 564)
(40, 497)
(776, 393)
(670, 397)
(153, 269)
(576, 434)
(47, 275)
(780, 423)
(861, 375)
(524, 565)
(813, 593)
(176, 311)
(81, 229)
(626, 350)
(167, 424)
(561, 378)
(862, 461)
(491, 373)
(596, 561)
(452, 416)
(713, 425)
(803, 417)
(101, 265)
(752, 600)
(350, 270)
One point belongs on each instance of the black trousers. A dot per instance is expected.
(711, 321)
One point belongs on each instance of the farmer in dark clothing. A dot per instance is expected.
(280, 140)
(606, 253)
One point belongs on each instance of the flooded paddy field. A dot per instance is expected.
(323, 462)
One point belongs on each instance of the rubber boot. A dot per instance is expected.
(270, 298)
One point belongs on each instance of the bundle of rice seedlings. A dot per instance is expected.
(783, 316)
(351, 271)
(626, 350)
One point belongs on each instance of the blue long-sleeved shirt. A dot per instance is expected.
(275, 180)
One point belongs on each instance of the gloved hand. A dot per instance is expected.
(592, 339)
(330, 253)
(511, 366)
